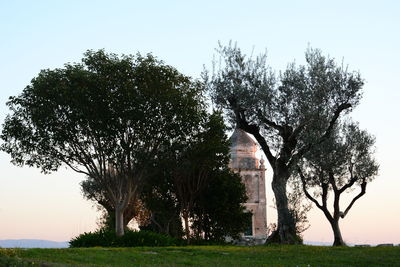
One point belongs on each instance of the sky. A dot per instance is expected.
(42, 34)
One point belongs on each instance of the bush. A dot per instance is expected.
(9, 257)
(9, 252)
(103, 238)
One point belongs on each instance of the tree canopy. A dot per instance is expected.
(106, 117)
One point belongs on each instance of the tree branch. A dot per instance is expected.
(255, 131)
(243, 124)
(297, 131)
(322, 207)
(326, 134)
(334, 119)
(363, 190)
(269, 123)
(324, 193)
(353, 179)
(333, 182)
(303, 181)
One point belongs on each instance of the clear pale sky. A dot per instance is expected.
(46, 34)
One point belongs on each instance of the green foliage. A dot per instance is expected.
(9, 252)
(248, 89)
(348, 154)
(106, 107)
(195, 166)
(218, 211)
(195, 181)
(160, 199)
(15, 262)
(103, 238)
(9, 257)
(108, 117)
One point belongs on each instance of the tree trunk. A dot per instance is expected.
(286, 228)
(185, 215)
(337, 234)
(119, 222)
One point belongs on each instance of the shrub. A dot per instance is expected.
(9, 252)
(103, 238)
(9, 257)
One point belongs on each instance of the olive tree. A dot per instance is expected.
(343, 162)
(286, 114)
(105, 117)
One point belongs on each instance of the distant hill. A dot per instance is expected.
(32, 243)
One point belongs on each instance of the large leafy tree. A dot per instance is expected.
(287, 114)
(341, 163)
(105, 117)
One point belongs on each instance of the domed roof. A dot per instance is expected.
(243, 151)
(240, 137)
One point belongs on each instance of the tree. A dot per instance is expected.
(219, 212)
(342, 161)
(194, 181)
(207, 152)
(106, 117)
(159, 197)
(287, 115)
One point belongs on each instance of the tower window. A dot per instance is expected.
(249, 229)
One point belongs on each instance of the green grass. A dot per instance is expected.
(203, 256)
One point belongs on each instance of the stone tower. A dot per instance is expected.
(244, 161)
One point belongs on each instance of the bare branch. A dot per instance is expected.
(348, 185)
(363, 190)
(269, 122)
(333, 182)
(308, 195)
(255, 131)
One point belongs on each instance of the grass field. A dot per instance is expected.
(204, 256)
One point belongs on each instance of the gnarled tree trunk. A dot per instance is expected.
(286, 229)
